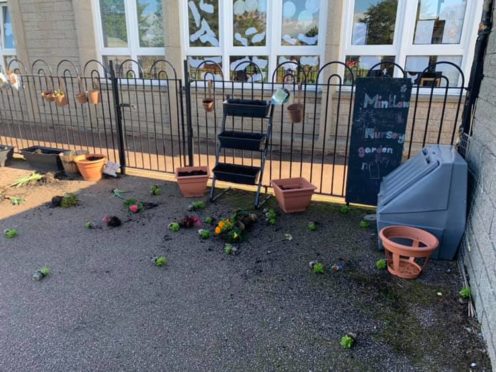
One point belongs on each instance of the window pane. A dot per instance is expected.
(249, 69)
(121, 71)
(300, 22)
(309, 64)
(250, 22)
(415, 65)
(360, 65)
(147, 62)
(113, 23)
(8, 33)
(150, 22)
(203, 23)
(439, 21)
(205, 67)
(374, 22)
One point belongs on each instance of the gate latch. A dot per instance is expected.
(128, 105)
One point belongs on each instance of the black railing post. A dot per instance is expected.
(118, 118)
(189, 121)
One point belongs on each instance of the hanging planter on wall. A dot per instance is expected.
(48, 95)
(95, 95)
(296, 109)
(82, 96)
(60, 98)
(208, 102)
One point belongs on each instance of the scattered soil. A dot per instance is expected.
(192, 173)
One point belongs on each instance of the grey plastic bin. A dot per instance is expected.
(429, 191)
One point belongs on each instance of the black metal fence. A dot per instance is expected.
(154, 120)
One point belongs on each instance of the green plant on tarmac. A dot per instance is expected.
(347, 341)
(364, 224)
(160, 261)
(208, 220)
(16, 200)
(271, 216)
(465, 293)
(10, 233)
(204, 234)
(318, 268)
(312, 226)
(45, 270)
(197, 205)
(228, 249)
(345, 209)
(381, 264)
(174, 227)
(155, 190)
(69, 200)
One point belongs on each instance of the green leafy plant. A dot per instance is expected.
(174, 227)
(228, 249)
(271, 216)
(69, 200)
(45, 271)
(155, 190)
(16, 200)
(347, 341)
(89, 225)
(196, 205)
(312, 226)
(364, 224)
(465, 293)
(345, 209)
(208, 220)
(318, 268)
(10, 233)
(204, 233)
(381, 264)
(26, 180)
(160, 261)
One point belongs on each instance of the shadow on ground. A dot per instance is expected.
(107, 307)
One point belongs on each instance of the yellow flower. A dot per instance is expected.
(222, 224)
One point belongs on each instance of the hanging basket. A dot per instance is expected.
(405, 245)
(82, 98)
(296, 109)
(209, 102)
(61, 100)
(94, 96)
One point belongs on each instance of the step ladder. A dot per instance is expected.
(246, 141)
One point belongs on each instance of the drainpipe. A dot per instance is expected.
(477, 72)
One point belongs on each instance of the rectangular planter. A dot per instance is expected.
(236, 173)
(242, 141)
(6, 155)
(194, 185)
(43, 158)
(246, 107)
(293, 194)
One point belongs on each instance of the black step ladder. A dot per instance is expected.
(248, 141)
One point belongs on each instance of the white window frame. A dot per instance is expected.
(4, 52)
(273, 48)
(134, 50)
(403, 45)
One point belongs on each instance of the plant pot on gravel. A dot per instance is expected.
(69, 158)
(403, 245)
(6, 155)
(91, 167)
(43, 158)
(192, 181)
(293, 194)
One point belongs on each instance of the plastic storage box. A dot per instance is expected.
(429, 191)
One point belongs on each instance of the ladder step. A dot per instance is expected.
(242, 140)
(236, 173)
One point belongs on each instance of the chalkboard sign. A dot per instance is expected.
(377, 136)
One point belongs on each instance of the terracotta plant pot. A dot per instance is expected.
(48, 95)
(293, 194)
(94, 96)
(192, 181)
(69, 159)
(403, 245)
(208, 104)
(296, 112)
(91, 167)
(82, 98)
(61, 101)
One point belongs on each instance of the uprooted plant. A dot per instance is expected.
(233, 229)
(31, 179)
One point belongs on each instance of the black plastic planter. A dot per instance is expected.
(246, 107)
(6, 155)
(43, 158)
(236, 173)
(242, 141)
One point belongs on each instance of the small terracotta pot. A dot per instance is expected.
(403, 245)
(293, 194)
(192, 186)
(69, 159)
(91, 167)
(94, 96)
(82, 98)
(296, 112)
(208, 104)
(48, 96)
(61, 100)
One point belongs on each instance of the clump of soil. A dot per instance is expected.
(192, 173)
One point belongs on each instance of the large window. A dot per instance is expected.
(249, 38)
(415, 34)
(130, 29)
(7, 40)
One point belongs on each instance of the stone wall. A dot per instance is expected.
(479, 254)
